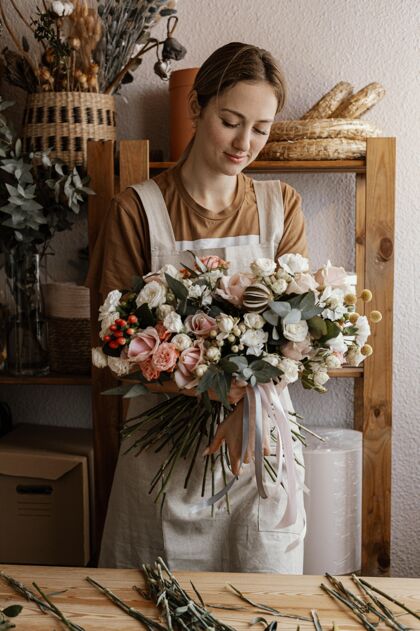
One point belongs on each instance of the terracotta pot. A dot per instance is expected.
(180, 85)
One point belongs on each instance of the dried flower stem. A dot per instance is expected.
(130, 64)
(46, 606)
(315, 620)
(150, 624)
(334, 594)
(266, 608)
(392, 600)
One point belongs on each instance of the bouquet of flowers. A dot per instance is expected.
(87, 46)
(203, 328)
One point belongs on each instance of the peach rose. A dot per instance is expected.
(143, 345)
(302, 283)
(149, 370)
(214, 262)
(188, 362)
(162, 331)
(297, 350)
(335, 277)
(231, 288)
(200, 324)
(165, 356)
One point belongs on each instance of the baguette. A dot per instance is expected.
(359, 103)
(315, 149)
(330, 101)
(322, 128)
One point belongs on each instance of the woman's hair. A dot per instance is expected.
(236, 62)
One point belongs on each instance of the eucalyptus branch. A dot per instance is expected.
(267, 608)
(390, 598)
(54, 609)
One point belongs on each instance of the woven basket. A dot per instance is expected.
(69, 348)
(68, 313)
(65, 121)
(319, 149)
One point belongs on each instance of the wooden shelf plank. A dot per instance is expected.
(53, 379)
(347, 372)
(297, 166)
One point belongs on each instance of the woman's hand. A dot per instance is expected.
(230, 431)
(236, 392)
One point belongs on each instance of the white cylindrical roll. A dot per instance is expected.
(334, 502)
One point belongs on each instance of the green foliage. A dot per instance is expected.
(39, 196)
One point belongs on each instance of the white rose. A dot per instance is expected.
(110, 305)
(106, 322)
(254, 320)
(181, 341)
(320, 377)
(263, 267)
(99, 359)
(337, 344)
(163, 310)
(119, 366)
(332, 361)
(363, 330)
(225, 323)
(153, 294)
(290, 369)
(354, 357)
(279, 286)
(271, 359)
(254, 339)
(171, 271)
(213, 354)
(173, 322)
(196, 291)
(294, 263)
(201, 369)
(62, 9)
(295, 332)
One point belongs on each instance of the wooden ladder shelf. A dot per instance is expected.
(374, 238)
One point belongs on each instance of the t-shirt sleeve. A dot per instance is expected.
(294, 235)
(122, 249)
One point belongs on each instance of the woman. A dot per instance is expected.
(206, 204)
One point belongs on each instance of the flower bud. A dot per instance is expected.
(366, 295)
(200, 370)
(350, 299)
(353, 317)
(231, 338)
(375, 316)
(236, 331)
(234, 348)
(366, 350)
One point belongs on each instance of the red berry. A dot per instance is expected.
(113, 344)
(113, 327)
(118, 334)
(107, 338)
(132, 319)
(121, 341)
(130, 331)
(120, 322)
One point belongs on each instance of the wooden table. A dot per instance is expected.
(84, 605)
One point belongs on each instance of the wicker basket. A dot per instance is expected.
(65, 121)
(68, 313)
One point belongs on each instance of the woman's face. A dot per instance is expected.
(233, 128)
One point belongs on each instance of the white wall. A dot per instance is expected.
(318, 42)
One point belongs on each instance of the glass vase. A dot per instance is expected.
(27, 328)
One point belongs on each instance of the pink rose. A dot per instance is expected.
(165, 356)
(297, 350)
(214, 262)
(231, 288)
(188, 362)
(143, 344)
(335, 277)
(149, 370)
(162, 331)
(301, 283)
(200, 324)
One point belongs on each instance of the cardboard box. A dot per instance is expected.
(44, 495)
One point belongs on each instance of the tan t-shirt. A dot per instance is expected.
(122, 249)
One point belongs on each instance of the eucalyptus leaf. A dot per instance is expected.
(12, 611)
(292, 317)
(136, 391)
(118, 390)
(179, 289)
(280, 308)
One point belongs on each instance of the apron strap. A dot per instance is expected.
(161, 233)
(270, 210)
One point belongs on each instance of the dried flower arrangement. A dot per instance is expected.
(87, 46)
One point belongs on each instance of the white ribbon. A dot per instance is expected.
(261, 403)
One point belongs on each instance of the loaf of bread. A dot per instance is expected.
(314, 149)
(322, 128)
(359, 103)
(330, 101)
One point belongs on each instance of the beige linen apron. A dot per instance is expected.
(246, 540)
